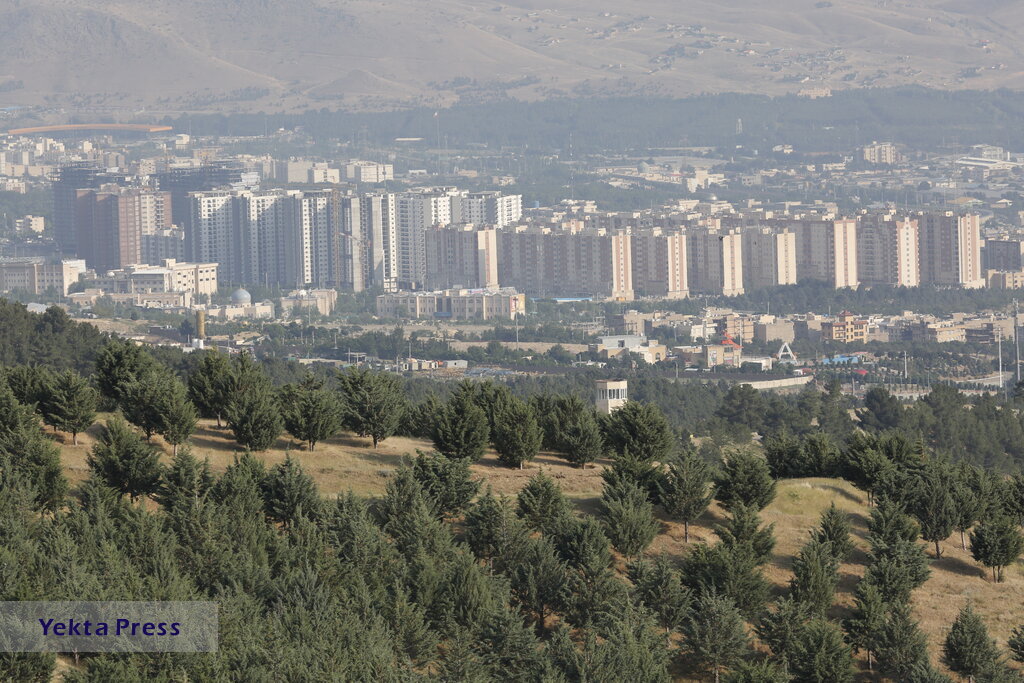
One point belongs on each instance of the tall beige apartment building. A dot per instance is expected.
(461, 256)
(950, 249)
(541, 261)
(888, 249)
(715, 261)
(769, 257)
(659, 264)
(827, 250)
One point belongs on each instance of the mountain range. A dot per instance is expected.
(135, 56)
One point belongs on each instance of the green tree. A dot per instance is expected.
(967, 649)
(815, 576)
(289, 493)
(580, 439)
(784, 455)
(882, 411)
(685, 490)
(743, 531)
(866, 621)
(447, 483)
(119, 363)
(820, 655)
(208, 384)
(743, 405)
(756, 672)
(460, 429)
(933, 505)
(177, 417)
(541, 503)
(629, 521)
(632, 649)
(492, 528)
(658, 587)
(902, 646)
(834, 530)
(124, 461)
(70, 405)
(517, 436)
(730, 571)
(310, 412)
(834, 415)
(966, 500)
(641, 430)
(186, 482)
(254, 417)
(538, 579)
(714, 635)
(745, 480)
(780, 629)
(997, 543)
(374, 403)
(1016, 643)
(145, 398)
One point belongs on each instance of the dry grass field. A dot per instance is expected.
(347, 462)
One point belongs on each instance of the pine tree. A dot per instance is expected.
(685, 490)
(516, 435)
(119, 363)
(310, 412)
(933, 505)
(732, 572)
(254, 418)
(177, 417)
(784, 455)
(966, 500)
(641, 430)
(289, 493)
(997, 543)
(1016, 644)
(757, 672)
(745, 479)
(714, 634)
(820, 655)
(185, 482)
(780, 629)
(124, 461)
(208, 384)
(743, 405)
(815, 576)
(492, 528)
(835, 531)
(538, 579)
(374, 403)
(509, 648)
(657, 586)
(70, 405)
(902, 646)
(742, 529)
(968, 650)
(145, 398)
(633, 649)
(541, 503)
(867, 618)
(447, 484)
(580, 439)
(460, 428)
(629, 521)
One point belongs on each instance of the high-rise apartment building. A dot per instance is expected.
(461, 256)
(416, 212)
(110, 223)
(715, 261)
(888, 251)
(211, 233)
(379, 236)
(659, 264)
(1004, 255)
(70, 179)
(769, 257)
(826, 250)
(487, 208)
(950, 249)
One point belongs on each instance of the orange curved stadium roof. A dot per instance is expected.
(71, 127)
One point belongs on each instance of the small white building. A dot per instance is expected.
(610, 395)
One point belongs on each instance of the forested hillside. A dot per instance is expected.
(696, 558)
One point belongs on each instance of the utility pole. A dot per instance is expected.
(999, 346)
(1016, 339)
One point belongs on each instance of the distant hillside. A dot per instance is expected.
(122, 56)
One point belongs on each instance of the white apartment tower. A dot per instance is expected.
(379, 226)
(715, 261)
(769, 258)
(888, 251)
(417, 211)
(950, 248)
(827, 250)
